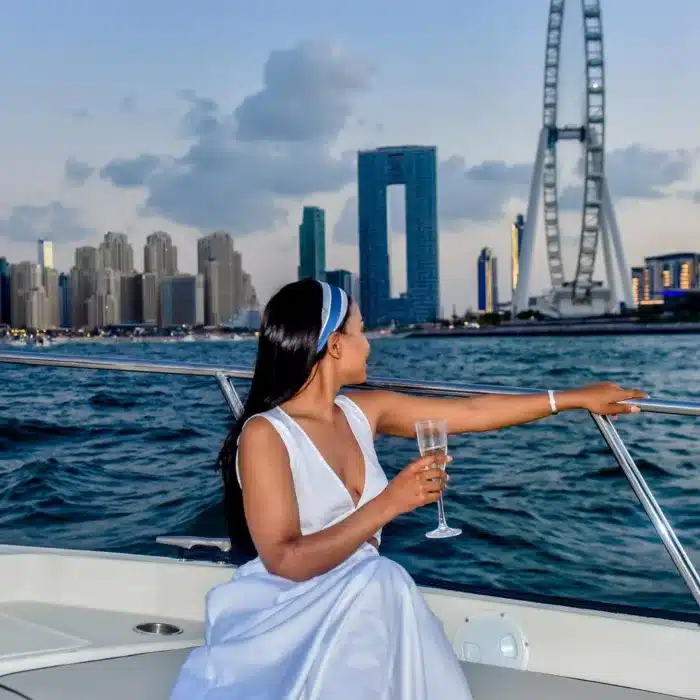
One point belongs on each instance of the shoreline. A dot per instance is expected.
(564, 329)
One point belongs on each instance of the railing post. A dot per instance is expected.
(653, 510)
(230, 394)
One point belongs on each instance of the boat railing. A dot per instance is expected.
(225, 375)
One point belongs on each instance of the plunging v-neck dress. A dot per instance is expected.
(361, 631)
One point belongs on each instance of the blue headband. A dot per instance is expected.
(335, 307)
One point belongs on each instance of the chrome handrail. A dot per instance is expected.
(651, 506)
(224, 375)
(46, 360)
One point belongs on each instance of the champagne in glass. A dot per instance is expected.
(432, 440)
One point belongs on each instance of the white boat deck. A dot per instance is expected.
(151, 677)
(67, 624)
(39, 635)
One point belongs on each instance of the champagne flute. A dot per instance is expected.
(432, 439)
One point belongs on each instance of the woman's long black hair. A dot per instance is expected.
(287, 355)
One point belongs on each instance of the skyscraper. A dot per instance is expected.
(64, 293)
(160, 255)
(117, 253)
(45, 256)
(83, 280)
(52, 312)
(159, 263)
(312, 244)
(488, 281)
(150, 297)
(222, 268)
(27, 295)
(104, 306)
(416, 168)
(5, 294)
(131, 298)
(250, 296)
(516, 240)
(182, 300)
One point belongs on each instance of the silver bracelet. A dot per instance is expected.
(552, 402)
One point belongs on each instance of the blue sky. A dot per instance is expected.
(142, 115)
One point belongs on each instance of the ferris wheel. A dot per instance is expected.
(598, 222)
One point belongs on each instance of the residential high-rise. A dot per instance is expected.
(488, 281)
(250, 296)
(159, 263)
(103, 307)
(5, 292)
(117, 260)
(49, 280)
(312, 244)
(160, 255)
(182, 300)
(131, 297)
(34, 304)
(87, 258)
(416, 168)
(248, 315)
(45, 253)
(52, 313)
(83, 283)
(516, 241)
(222, 268)
(150, 297)
(27, 295)
(117, 253)
(212, 298)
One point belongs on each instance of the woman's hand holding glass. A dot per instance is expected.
(418, 484)
(432, 443)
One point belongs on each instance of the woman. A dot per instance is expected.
(318, 614)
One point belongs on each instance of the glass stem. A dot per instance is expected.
(442, 523)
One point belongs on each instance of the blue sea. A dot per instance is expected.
(109, 460)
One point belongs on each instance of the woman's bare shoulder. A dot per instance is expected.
(257, 428)
(260, 439)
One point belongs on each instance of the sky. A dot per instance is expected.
(141, 115)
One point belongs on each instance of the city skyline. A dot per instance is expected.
(118, 141)
(103, 286)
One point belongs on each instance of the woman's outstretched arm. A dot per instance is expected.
(391, 413)
(272, 513)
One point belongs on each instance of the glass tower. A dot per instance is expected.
(488, 281)
(45, 253)
(312, 244)
(416, 168)
(5, 299)
(343, 279)
(516, 242)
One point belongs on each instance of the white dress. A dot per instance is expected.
(361, 631)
